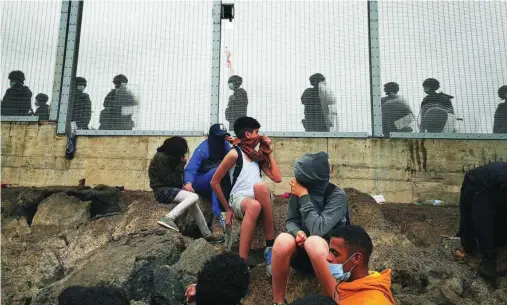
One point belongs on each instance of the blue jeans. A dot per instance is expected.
(202, 185)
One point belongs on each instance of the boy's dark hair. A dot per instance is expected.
(356, 238)
(223, 280)
(314, 300)
(174, 146)
(99, 295)
(391, 87)
(431, 83)
(243, 124)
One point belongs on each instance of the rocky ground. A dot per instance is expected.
(56, 237)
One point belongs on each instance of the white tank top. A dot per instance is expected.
(249, 175)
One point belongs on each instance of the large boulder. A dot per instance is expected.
(193, 259)
(24, 201)
(104, 199)
(142, 216)
(86, 239)
(167, 287)
(62, 210)
(30, 262)
(117, 263)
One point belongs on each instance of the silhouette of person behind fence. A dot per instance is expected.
(315, 118)
(81, 112)
(41, 101)
(500, 123)
(238, 101)
(396, 113)
(17, 100)
(435, 108)
(111, 117)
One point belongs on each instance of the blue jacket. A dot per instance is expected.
(200, 154)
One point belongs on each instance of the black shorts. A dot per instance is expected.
(301, 261)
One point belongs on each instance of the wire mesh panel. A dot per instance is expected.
(29, 39)
(297, 66)
(143, 66)
(443, 65)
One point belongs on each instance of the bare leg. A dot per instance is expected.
(251, 209)
(263, 195)
(318, 249)
(283, 250)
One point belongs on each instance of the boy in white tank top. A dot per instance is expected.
(249, 197)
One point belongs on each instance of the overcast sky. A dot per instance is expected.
(164, 48)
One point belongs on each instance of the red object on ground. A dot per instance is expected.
(285, 195)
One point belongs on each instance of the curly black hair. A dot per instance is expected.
(223, 280)
(98, 295)
(314, 300)
(356, 238)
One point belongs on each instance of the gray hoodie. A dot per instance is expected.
(309, 213)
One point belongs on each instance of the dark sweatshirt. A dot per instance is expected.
(163, 173)
(17, 100)
(309, 213)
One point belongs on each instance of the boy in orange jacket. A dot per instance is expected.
(343, 271)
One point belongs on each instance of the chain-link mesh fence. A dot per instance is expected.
(143, 65)
(297, 66)
(442, 65)
(29, 39)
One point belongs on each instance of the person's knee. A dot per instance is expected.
(194, 197)
(260, 188)
(252, 208)
(316, 246)
(285, 244)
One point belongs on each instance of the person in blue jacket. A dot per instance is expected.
(204, 162)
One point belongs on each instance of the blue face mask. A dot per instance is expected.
(12, 84)
(337, 270)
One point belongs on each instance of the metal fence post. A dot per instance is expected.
(71, 49)
(215, 62)
(375, 86)
(60, 55)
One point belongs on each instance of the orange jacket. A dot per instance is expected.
(374, 289)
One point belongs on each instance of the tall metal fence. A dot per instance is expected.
(417, 69)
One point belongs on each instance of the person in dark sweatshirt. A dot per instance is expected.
(238, 101)
(41, 101)
(396, 113)
(315, 119)
(316, 207)
(483, 210)
(500, 124)
(435, 107)
(81, 104)
(111, 117)
(17, 100)
(166, 180)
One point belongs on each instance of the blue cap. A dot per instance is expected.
(218, 130)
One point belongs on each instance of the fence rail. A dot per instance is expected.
(391, 69)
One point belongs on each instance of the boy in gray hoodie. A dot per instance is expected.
(316, 207)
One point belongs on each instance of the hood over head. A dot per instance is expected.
(312, 171)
